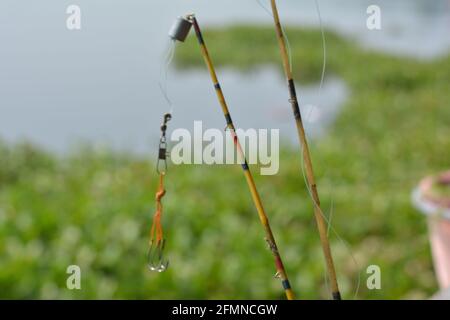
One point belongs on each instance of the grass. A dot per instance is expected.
(93, 208)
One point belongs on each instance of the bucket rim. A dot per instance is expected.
(426, 202)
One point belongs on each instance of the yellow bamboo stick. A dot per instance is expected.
(321, 224)
(281, 272)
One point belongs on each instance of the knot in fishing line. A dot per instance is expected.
(160, 194)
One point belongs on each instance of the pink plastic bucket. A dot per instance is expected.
(437, 207)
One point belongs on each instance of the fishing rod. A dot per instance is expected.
(312, 186)
(179, 32)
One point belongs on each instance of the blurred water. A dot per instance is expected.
(100, 84)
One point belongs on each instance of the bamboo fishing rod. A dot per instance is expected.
(321, 224)
(180, 33)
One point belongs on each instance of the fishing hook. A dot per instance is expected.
(156, 261)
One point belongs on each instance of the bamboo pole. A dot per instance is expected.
(281, 272)
(321, 225)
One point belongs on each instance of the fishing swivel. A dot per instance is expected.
(156, 260)
(161, 165)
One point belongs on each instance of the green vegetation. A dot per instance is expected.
(94, 208)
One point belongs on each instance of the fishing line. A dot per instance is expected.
(164, 71)
(324, 54)
(288, 44)
(329, 218)
(322, 79)
(155, 255)
(333, 230)
(307, 182)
